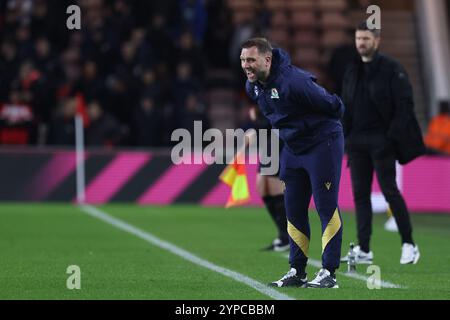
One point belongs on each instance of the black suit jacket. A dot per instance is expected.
(391, 92)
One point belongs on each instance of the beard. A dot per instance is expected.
(255, 75)
(367, 52)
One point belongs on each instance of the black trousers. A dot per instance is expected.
(369, 153)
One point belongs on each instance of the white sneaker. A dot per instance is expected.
(323, 279)
(391, 225)
(361, 256)
(278, 246)
(410, 254)
(291, 279)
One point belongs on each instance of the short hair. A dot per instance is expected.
(262, 44)
(364, 27)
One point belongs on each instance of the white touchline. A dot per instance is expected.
(258, 286)
(384, 284)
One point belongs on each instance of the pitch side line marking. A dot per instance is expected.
(119, 224)
(384, 284)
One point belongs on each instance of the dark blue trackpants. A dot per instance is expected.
(315, 173)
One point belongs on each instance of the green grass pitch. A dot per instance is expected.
(39, 241)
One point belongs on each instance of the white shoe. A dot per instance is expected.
(291, 279)
(323, 279)
(410, 254)
(278, 246)
(361, 256)
(391, 225)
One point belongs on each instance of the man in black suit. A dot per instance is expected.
(380, 128)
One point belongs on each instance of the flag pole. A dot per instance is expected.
(79, 144)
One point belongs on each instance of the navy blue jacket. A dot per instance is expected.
(304, 112)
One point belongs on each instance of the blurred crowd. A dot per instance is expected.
(139, 68)
(139, 65)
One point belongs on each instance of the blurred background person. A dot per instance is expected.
(147, 123)
(437, 138)
(103, 128)
(271, 189)
(17, 121)
(62, 126)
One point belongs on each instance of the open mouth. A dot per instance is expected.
(250, 73)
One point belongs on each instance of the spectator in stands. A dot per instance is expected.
(148, 84)
(91, 84)
(62, 126)
(145, 55)
(190, 52)
(16, 121)
(70, 61)
(147, 123)
(380, 127)
(44, 59)
(103, 129)
(194, 17)
(36, 90)
(158, 34)
(122, 19)
(194, 110)
(437, 138)
(218, 34)
(9, 65)
(183, 86)
(124, 85)
(40, 25)
(24, 42)
(108, 60)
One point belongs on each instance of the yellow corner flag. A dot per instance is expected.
(235, 176)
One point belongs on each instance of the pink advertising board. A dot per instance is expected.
(425, 184)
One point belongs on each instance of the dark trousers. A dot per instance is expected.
(316, 173)
(367, 154)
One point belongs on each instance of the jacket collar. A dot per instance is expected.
(375, 61)
(374, 64)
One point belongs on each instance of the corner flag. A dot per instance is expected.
(235, 176)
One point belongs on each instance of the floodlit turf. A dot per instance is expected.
(39, 241)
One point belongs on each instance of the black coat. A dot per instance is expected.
(391, 92)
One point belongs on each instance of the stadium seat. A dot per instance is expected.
(275, 5)
(304, 38)
(332, 5)
(279, 37)
(303, 20)
(305, 5)
(333, 20)
(306, 56)
(333, 38)
(217, 78)
(239, 17)
(221, 95)
(238, 5)
(279, 20)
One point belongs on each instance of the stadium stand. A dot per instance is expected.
(122, 45)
